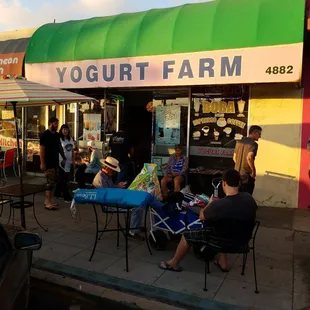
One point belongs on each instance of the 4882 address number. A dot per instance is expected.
(280, 70)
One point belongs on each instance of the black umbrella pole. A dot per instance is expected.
(19, 155)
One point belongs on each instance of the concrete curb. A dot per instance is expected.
(135, 294)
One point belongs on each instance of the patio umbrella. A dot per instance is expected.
(20, 92)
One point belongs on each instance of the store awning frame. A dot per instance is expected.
(14, 46)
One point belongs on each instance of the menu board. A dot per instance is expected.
(92, 127)
(167, 129)
(33, 148)
(216, 125)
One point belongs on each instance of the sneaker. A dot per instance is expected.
(76, 190)
(68, 201)
(136, 237)
(58, 197)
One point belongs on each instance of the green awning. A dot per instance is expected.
(214, 25)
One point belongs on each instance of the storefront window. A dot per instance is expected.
(35, 125)
(170, 128)
(217, 121)
(70, 117)
(7, 127)
(36, 122)
(96, 120)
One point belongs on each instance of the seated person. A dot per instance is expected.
(104, 179)
(176, 171)
(87, 170)
(235, 206)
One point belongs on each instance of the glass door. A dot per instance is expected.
(36, 124)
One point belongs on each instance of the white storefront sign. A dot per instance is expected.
(268, 64)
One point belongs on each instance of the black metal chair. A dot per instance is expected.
(231, 236)
(27, 204)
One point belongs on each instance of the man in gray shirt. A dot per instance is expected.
(244, 158)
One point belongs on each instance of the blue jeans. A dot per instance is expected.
(136, 220)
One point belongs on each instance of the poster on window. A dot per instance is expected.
(8, 130)
(216, 125)
(92, 127)
(167, 128)
(111, 118)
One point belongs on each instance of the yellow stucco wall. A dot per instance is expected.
(17, 34)
(277, 109)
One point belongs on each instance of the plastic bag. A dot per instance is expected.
(147, 181)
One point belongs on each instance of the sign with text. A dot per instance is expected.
(267, 64)
(11, 63)
(218, 123)
(211, 151)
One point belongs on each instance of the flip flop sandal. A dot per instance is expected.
(51, 208)
(217, 264)
(53, 204)
(167, 267)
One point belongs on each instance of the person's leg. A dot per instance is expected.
(222, 261)
(178, 181)
(66, 194)
(79, 176)
(180, 253)
(164, 185)
(59, 185)
(135, 223)
(247, 184)
(51, 179)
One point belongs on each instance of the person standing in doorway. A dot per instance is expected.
(67, 144)
(88, 168)
(121, 149)
(50, 148)
(244, 158)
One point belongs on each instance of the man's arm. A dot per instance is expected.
(61, 151)
(250, 160)
(202, 211)
(42, 157)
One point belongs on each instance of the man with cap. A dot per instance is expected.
(88, 169)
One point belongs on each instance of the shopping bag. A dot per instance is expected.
(147, 181)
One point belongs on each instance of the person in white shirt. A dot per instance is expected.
(67, 143)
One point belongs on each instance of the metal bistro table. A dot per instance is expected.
(122, 201)
(22, 191)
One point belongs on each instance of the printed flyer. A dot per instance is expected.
(168, 125)
(92, 127)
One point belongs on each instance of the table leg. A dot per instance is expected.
(118, 225)
(126, 238)
(22, 212)
(97, 228)
(145, 231)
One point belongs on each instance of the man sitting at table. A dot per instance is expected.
(235, 206)
(104, 179)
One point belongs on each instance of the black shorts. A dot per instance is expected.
(196, 236)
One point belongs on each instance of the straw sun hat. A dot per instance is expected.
(111, 163)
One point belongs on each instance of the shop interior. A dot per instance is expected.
(206, 121)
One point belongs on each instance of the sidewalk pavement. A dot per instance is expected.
(283, 264)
